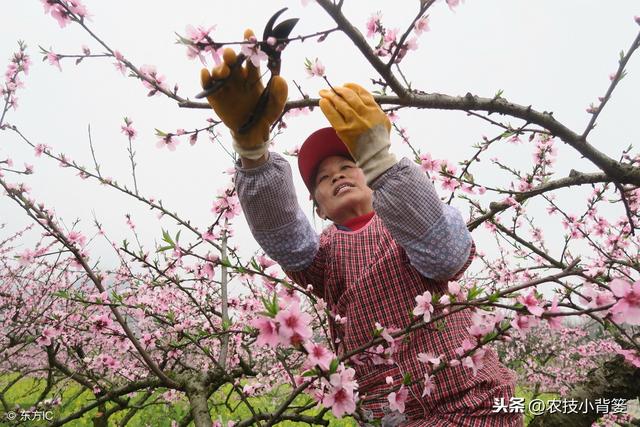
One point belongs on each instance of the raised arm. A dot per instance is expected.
(263, 180)
(433, 234)
(269, 202)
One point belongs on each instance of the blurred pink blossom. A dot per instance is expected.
(168, 141)
(128, 129)
(315, 68)
(397, 399)
(119, 64)
(627, 308)
(253, 53)
(54, 60)
(453, 4)
(555, 322)
(421, 25)
(428, 385)
(373, 24)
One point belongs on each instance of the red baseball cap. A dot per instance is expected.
(318, 146)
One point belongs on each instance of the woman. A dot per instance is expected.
(392, 240)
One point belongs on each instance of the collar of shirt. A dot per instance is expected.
(356, 223)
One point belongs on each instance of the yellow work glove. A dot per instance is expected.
(237, 99)
(361, 125)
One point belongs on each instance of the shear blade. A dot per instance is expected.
(268, 29)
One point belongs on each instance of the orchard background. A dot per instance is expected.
(131, 290)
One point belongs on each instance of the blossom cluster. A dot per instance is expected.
(20, 63)
(63, 11)
(388, 41)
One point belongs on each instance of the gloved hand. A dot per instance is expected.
(361, 125)
(236, 100)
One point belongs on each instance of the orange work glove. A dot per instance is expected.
(237, 99)
(361, 125)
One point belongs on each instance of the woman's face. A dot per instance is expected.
(341, 190)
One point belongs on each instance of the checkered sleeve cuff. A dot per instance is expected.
(269, 202)
(433, 234)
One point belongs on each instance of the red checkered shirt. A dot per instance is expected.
(373, 275)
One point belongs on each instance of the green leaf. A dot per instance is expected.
(116, 297)
(469, 177)
(406, 379)
(473, 292)
(160, 133)
(494, 297)
(270, 305)
(507, 134)
(310, 373)
(61, 293)
(164, 248)
(333, 367)
(489, 337)
(167, 238)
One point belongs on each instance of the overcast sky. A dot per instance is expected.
(555, 55)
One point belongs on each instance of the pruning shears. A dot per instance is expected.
(273, 51)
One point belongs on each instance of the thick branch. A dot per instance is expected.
(574, 178)
(129, 388)
(363, 46)
(625, 174)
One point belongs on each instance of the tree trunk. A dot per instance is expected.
(615, 379)
(199, 405)
(101, 419)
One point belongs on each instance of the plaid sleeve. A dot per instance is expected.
(269, 202)
(315, 273)
(432, 233)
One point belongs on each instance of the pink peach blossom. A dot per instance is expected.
(397, 399)
(373, 24)
(421, 25)
(340, 401)
(54, 60)
(318, 355)
(555, 322)
(315, 68)
(429, 358)
(531, 302)
(627, 308)
(268, 332)
(253, 53)
(293, 325)
(424, 307)
(429, 385)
